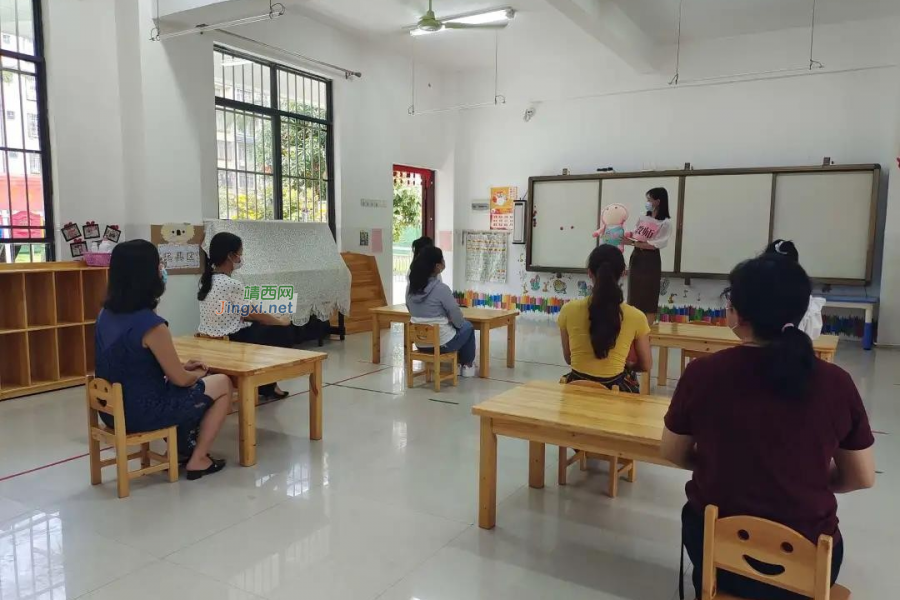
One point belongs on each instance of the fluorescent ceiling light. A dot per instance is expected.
(494, 16)
(499, 16)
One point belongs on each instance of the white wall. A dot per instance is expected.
(608, 116)
(889, 324)
(154, 125)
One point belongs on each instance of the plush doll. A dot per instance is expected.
(612, 231)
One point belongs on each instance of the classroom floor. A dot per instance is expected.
(383, 507)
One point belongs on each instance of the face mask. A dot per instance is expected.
(237, 264)
(649, 207)
(164, 276)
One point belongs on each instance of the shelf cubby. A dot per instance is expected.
(43, 356)
(41, 299)
(93, 284)
(14, 370)
(70, 346)
(89, 360)
(69, 303)
(12, 301)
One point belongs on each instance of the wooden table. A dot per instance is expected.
(708, 339)
(549, 413)
(484, 319)
(251, 366)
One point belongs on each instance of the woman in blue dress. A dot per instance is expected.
(134, 347)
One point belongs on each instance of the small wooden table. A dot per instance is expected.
(549, 413)
(251, 366)
(484, 319)
(708, 339)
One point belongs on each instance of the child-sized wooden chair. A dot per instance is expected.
(617, 466)
(767, 552)
(106, 397)
(428, 335)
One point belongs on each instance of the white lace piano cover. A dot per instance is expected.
(303, 255)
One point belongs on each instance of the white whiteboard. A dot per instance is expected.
(632, 194)
(566, 214)
(827, 216)
(726, 221)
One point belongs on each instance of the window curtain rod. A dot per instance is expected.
(348, 74)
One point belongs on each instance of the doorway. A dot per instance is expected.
(413, 218)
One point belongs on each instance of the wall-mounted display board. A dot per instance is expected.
(721, 216)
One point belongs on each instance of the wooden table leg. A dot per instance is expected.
(376, 340)
(511, 343)
(645, 383)
(663, 377)
(485, 366)
(487, 484)
(247, 421)
(315, 402)
(536, 458)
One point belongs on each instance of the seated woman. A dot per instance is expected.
(768, 429)
(598, 332)
(430, 301)
(217, 286)
(134, 347)
(811, 323)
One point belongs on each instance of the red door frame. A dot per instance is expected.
(428, 213)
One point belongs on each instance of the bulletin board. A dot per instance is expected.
(179, 247)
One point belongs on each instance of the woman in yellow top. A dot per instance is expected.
(598, 332)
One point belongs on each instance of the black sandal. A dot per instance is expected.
(217, 465)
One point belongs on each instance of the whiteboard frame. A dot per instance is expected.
(874, 169)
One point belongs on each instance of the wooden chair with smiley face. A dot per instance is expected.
(767, 552)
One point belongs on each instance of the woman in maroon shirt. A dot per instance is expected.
(768, 429)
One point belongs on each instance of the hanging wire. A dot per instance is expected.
(412, 107)
(498, 97)
(813, 63)
(674, 80)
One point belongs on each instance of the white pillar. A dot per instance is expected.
(889, 314)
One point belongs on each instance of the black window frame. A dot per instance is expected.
(276, 114)
(39, 61)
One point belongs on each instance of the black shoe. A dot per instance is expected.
(270, 395)
(217, 465)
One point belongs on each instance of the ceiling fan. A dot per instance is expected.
(493, 19)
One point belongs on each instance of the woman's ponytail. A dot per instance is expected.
(205, 279)
(771, 294)
(605, 266)
(790, 360)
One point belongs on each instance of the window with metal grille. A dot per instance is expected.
(26, 219)
(274, 141)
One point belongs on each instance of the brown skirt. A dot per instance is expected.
(644, 274)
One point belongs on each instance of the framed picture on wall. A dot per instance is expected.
(91, 231)
(70, 231)
(112, 234)
(78, 248)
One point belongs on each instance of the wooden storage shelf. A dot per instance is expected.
(12, 301)
(40, 299)
(47, 316)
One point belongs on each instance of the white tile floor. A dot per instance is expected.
(383, 507)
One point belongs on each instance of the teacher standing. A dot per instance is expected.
(645, 267)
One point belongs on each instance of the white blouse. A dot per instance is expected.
(653, 231)
(231, 292)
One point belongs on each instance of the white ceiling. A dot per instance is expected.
(635, 30)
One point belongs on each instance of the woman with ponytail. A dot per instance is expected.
(598, 332)
(226, 252)
(768, 429)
